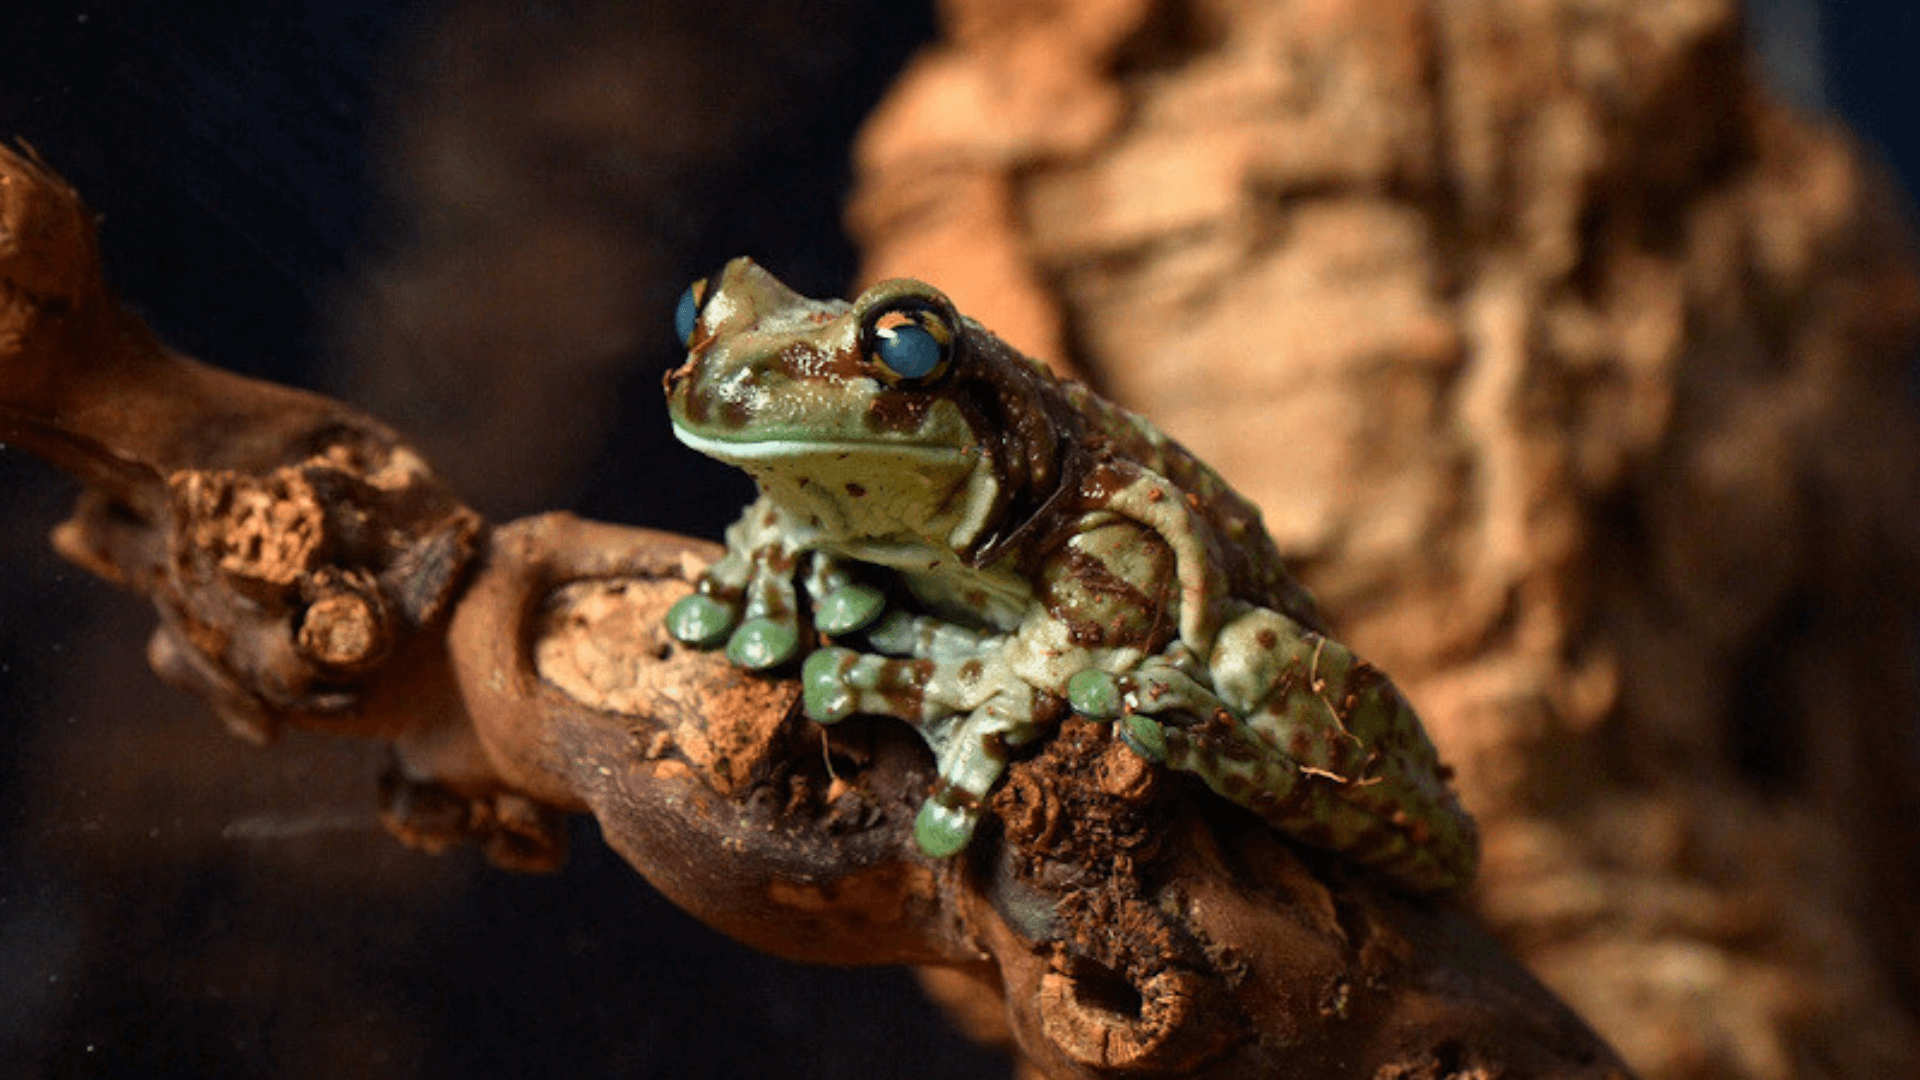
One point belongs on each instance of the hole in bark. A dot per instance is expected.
(1097, 986)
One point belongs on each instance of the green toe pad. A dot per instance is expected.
(700, 621)
(762, 643)
(1095, 693)
(848, 608)
(823, 689)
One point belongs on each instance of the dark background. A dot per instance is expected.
(176, 904)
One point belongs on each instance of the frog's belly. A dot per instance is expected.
(993, 599)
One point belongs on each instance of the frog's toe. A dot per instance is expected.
(700, 620)
(824, 692)
(1096, 694)
(848, 608)
(1145, 737)
(763, 643)
(942, 830)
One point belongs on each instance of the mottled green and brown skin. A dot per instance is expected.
(1011, 547)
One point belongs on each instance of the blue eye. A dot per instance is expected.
(908, 350)
(686, 316)
(909, 339)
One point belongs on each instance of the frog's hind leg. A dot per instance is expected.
(1370, 784)
(1291, 725)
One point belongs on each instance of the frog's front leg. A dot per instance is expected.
(748, 600)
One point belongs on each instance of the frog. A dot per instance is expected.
(948, 534)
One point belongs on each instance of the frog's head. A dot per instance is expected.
(892, 417)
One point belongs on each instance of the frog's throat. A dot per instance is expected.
(963, 515)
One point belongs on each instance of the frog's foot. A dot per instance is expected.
(1170, 718)
(748, 601)
(705, 619)
(1157, 686)
(969, 717)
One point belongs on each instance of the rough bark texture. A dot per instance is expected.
(1568, 370)
(1126, 925)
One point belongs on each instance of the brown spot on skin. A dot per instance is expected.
(903, 685)
(678, 383)
(1101, 483)
(1300, 747)
(857, 491)
(898, 411)
(1267, 638)
(725, 594)
(952, 796)
(1236, 751)
(797, 361)
(1098, 606)
(735, 414)
(1048, 709)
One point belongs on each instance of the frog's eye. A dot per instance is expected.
(686, 316)
(909, 341)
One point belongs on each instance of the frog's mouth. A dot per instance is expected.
(869, 487)
(745, 452)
